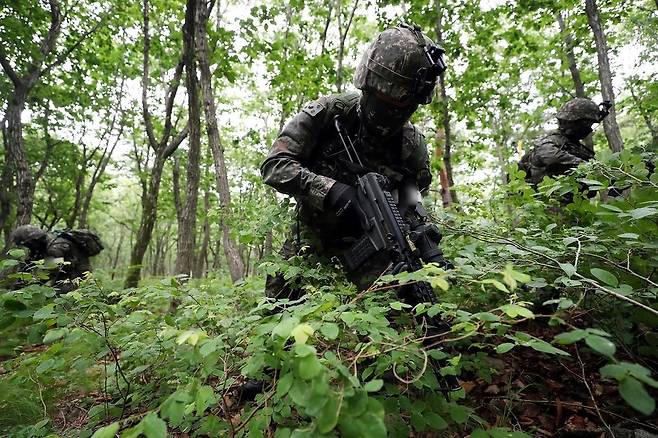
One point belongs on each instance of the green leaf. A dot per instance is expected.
(328, 417)
(396, 305)
(639, 213)
(571, 337)
(14, 305)
(16, 253)
(54, 335)
(629, 236)
(514, 310)
(205, 397)
(302, 332)
(605, 276)
(435, 421)
(459, 413)
(284, 384)
(330, 330)
(308, 367)
(497, 284)
(153, 426)
(633, 391)
(504, 347)
(191, 337)
(374, 385)
(568, 269)
(45, 365)
(46, 312)
(107, 432)
(545, 347)
(601, 345)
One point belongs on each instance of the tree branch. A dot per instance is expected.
(62, 57)
(148, 123)
(6, 66)
(171, 147)
(169, 104)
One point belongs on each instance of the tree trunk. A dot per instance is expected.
(236, 266)
(187, 226)
(115, 262)
(163, 149)
(24, 179)
(6, 183)
(145, 231)
(446, 171)
(610, 125)
(202, 258)
(578, 85)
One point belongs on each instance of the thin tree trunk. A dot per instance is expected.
(202, 259)
(446, 172)
(145, 231)
(6, 183)
(236, 266)
(610, 125)
(187, 228)
(163, 149)
(341, 43)
(115, 262)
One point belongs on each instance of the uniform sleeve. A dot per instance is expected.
(549, 155)
(418, 161)
(286, 167)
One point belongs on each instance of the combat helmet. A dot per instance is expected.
(581, 108)
(402, 63)
(28, 235)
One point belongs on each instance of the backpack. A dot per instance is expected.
(88, 241)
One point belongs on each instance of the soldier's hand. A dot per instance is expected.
(342, 200)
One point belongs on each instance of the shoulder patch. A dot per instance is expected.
(313, 108)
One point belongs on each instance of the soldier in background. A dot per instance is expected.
(69, 249)
(561, 150)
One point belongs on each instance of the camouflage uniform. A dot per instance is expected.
(554, 154)
(53, 248)
(561, 150)
(308, 158)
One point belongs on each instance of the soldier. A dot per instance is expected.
(72, 247)
(396, 74)
(560, 150)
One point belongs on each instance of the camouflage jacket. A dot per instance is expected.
(553, 154)
(77, 263)
(307, 157)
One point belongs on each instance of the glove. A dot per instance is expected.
(343, 202)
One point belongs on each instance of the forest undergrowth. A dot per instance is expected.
(554, 333)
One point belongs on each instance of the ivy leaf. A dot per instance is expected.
(302, 332)
(605, 276)
(633, 391)
(601, 345)
(153, 426)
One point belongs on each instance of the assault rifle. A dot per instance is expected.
(407, 244)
